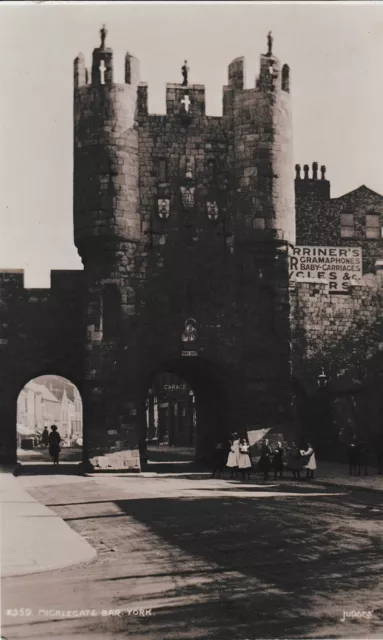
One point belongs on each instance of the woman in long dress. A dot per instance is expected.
(244, 463)
(310, 462)
(54, 444)
(233, 457)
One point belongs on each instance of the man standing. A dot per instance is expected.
(54, 444)
(45, 437)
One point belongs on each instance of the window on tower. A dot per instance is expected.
(373, 226)
(347, 225)
(162, 170)
(211, 170)
(111, 307)
(259, 223)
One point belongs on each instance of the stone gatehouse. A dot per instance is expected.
(184, 223)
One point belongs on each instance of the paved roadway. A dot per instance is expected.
(40, 455)
(210, 558)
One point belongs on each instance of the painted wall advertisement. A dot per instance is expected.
(336, 265)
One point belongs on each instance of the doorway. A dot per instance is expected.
(189, 407)
(45, 401)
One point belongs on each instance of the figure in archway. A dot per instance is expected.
(54, 444)
(244, 463)
(219, 459)
(233, 458)
(309, 461)
(265, 459)
(45, 437)
(278, 463)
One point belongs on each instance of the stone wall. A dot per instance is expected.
(336, 332)
(226, 272)
(41, 333)
(176, 216)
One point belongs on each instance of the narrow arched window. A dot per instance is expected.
(111, 311)
(286, 78)
(95, 313)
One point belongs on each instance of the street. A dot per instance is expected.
(186, 557)
(41, 455)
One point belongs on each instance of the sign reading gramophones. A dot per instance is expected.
(336, 265)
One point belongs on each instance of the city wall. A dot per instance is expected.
(41, 333)
(336, 332)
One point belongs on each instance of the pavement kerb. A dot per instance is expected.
(34, 539)
(343, 485)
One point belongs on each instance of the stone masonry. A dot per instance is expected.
(183, 222)
(319, 217)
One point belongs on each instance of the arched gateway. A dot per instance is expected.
(183, 223)
(212, 402)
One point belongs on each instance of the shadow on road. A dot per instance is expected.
(223, 567)
(280, 570)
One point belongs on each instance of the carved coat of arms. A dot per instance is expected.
(188, 189)
(189, 333)
(212, 210)
(164, 208)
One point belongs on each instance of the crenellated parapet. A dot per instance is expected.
(41, 330)
(262, 149)
(105, 151)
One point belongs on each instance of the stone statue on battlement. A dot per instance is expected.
(103, 33)
(185, 73)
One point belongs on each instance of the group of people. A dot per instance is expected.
(272, 458)
(357, 455)
(52, 440)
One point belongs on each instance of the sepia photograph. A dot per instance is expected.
(191, 320)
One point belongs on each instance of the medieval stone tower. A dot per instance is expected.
(183, 223)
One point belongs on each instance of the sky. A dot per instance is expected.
(335, 52)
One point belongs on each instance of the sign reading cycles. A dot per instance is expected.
(337, 265)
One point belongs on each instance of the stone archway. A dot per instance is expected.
(43, 401)
(216, 401)
(10, 389)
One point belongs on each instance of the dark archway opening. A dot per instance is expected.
(45, 401)
(170, 419)
(190, 405)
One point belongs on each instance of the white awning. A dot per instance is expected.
(24, 431)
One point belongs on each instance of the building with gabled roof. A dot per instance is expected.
(354, 219)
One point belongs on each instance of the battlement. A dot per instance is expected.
(114, 188)
(181, 99)
(12, 278)
(273, 79)
(59, 279)
(102, 67)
